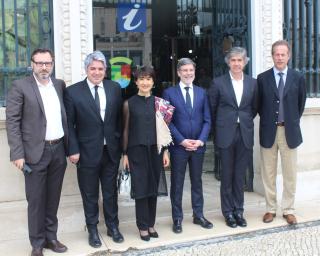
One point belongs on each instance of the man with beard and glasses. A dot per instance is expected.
(37, 136)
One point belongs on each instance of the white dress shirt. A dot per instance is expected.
(52, 109)
(184, 92)
(102, 96)
(238, 89)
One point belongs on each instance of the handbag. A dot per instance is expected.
(124, 182)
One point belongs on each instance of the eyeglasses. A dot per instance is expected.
(40, 64)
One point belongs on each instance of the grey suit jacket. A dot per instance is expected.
(26, 120)
(225, 110)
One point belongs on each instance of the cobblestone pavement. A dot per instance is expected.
(302, 239)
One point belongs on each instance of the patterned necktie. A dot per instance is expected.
(280, 89)
(96, 97)
(188, 100)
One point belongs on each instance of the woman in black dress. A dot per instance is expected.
(141, 155)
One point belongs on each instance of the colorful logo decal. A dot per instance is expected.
(121, 70)
(131, 17)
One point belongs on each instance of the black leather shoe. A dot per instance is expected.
(115, 234)
(177, 226)
(203, 222)
(231, 221)
(240, 220)
(56, 246)
(36, 252)
(94, 239)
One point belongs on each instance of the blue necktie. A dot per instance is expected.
(188, 100)
(280, 89)
(96, 97)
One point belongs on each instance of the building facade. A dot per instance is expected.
(203, 30)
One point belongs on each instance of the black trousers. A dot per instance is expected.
(43, 189)
(234, 162)
(146, 209)
(88, 179)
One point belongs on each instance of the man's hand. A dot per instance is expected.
(191, 145)
(19, 163)
(74, 158)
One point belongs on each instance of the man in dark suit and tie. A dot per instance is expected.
(37, 135)
(282, 97)
(190, 127)
(233, 100)
(94, 108)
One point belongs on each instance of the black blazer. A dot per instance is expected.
(294, 98)
(225, 110)
(87, 130)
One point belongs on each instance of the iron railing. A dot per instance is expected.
(301, 29)
(24, 26)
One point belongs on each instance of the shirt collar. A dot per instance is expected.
(40, 84)
(233, 79)
(276, 71)
(182, 85)
(91, 85)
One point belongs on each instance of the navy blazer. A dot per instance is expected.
(185, 126)
(225, 110)
(87, 129)
(294, 99)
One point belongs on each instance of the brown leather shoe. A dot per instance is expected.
(290, 218)
(56, 246)
(36, 252)
(268, 217)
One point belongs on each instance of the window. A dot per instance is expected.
(24, 26)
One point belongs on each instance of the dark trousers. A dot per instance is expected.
(43, 189)
(146, 209)
(88, 179)
(179, 163)
(234, 162)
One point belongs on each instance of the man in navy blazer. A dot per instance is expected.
(282, 97)
(94, 113)
(233, 101)
(190, 127)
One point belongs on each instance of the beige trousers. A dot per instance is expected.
(269, 160)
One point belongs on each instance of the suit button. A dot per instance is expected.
(277, 112)
(278, 101)
(276, 122)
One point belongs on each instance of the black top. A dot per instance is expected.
(143, 129)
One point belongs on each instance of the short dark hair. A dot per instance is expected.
(144, 71)
(281, 42)
(185, 61)
(42, 50)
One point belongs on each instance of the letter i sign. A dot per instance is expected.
(131, 17)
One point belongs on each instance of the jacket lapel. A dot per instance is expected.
(109, 94)
(36, 90)
(246, 88)
(88, 95)
(273, 83)
(230, 89)
(289, 81)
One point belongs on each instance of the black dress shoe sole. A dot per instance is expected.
(176, 229)
(95, 245)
